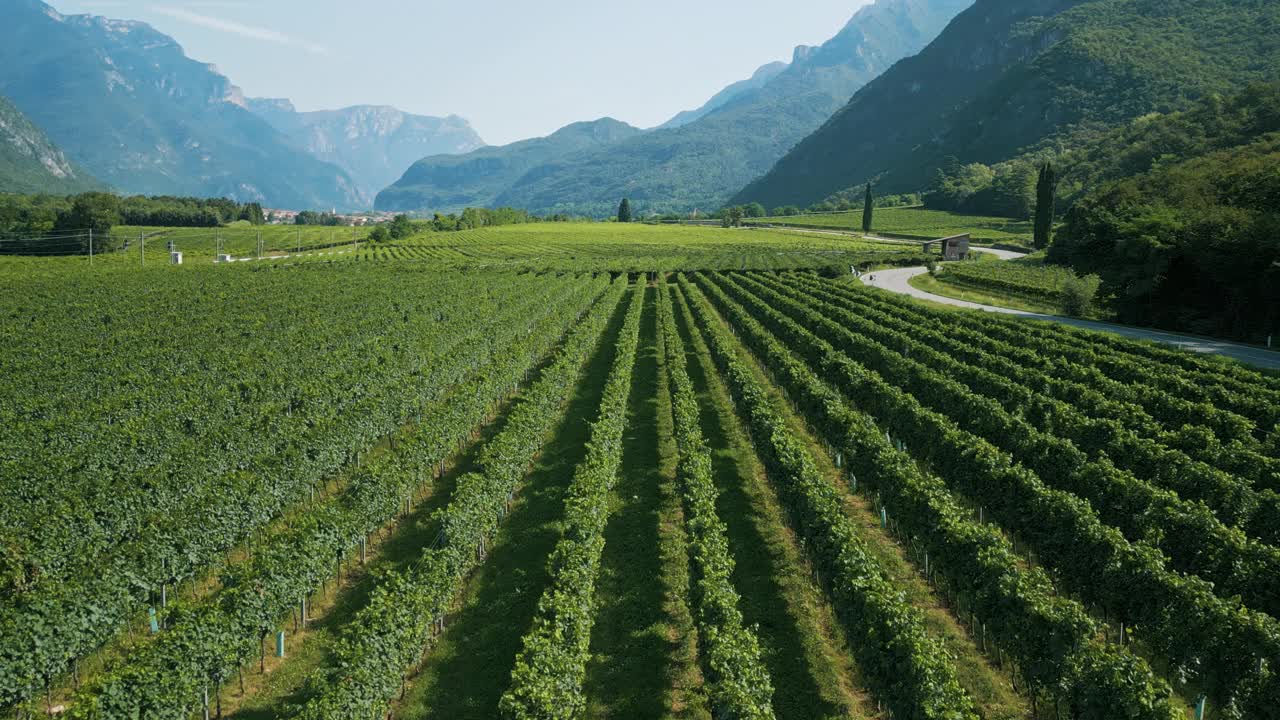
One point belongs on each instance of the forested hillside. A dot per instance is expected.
(1215, 123)
(1192, 245)
(699, 164)
(1008, 75)
(450, 183)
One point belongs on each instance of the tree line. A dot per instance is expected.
(403, 226)
(42, 214)
(32, 223)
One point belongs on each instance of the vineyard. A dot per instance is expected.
(545, 247)
(639, 248)
(914, 223)
(1034, 281)
(560, 471)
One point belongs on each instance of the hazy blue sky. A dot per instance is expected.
(514, 68)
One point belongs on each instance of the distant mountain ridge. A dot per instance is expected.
(31, 163)
(759, 79)
(375, 144)
(125, 102)
(449, 183)
(1012, 74)
(701, 163)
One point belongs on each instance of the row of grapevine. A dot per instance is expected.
(740, 687)
(133, 438)
(388, 637)
(1051, 639)
(207, 639)
(902, 664)
(1202, 431)
(550, 668)
(1232, 499)
(1189, 533)
(1235, 380)
(913, 223)
(1042, 282)
(1226, 649)
(1230, 386)
(635, 248)
(1181, 375)
(44, 632)
(1243, 378)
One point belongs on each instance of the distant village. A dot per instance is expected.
(290, 217)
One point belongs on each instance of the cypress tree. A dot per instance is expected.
(867, 210)
(1046, 197)
(624, 211)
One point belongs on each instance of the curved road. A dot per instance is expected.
(898, 281)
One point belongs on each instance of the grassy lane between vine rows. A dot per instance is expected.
(393, 548)
(209, 582)
(206, 584)
(813, 672)
(990, 687)
(1195, 540)
(470, 666)
(1085, 557)
(644, 647)
(398, 547)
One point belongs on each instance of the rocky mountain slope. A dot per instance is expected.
(374, 144)
(31, 163)
(126, 103)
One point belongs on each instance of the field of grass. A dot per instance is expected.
(696, 477)
(638, 248)
(539, 247)
(915, 223)
(937, 286)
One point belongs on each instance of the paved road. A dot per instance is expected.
(898, 281)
